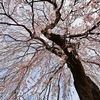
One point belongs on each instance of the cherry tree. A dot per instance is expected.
(46, 46)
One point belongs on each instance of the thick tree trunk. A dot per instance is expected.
(86, 88)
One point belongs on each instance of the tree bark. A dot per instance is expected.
(86, 88)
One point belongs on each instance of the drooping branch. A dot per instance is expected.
(17, 24)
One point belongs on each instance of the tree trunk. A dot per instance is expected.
(86, 88)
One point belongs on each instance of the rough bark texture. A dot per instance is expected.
(86, 88)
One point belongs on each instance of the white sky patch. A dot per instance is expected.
(74, 95)
(90, 52)
(67, 2)
(2, 73)
(78, 22)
